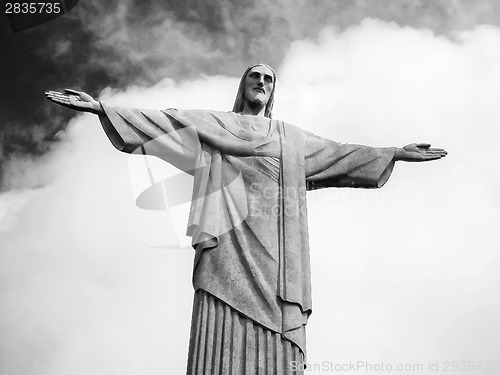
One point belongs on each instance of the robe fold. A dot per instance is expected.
(248, 216)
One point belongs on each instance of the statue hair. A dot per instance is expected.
(238, 103)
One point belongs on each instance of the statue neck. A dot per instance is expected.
(254, 108)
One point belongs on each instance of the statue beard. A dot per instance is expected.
(256, 104)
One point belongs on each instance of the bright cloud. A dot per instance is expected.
(407, 273)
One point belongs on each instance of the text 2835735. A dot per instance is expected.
(33, 8)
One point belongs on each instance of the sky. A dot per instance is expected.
(406, 274)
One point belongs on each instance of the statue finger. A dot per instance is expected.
(423, 145)
(56, 94)
(432, 157)
(442, 154)
(59, 98)
(52, 93)
(437, 150)
(72, 92)
(63, 100)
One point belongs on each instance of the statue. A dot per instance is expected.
(248, 219)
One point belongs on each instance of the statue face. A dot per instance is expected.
(259, 84)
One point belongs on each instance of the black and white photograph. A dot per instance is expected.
(249, 187)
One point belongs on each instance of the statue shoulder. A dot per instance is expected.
(295, 132)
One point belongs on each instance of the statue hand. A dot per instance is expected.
(76, 100)
(419, 152)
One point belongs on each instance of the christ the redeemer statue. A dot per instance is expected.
(248, 218)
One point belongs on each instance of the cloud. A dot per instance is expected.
(399, 274)
(121, 43)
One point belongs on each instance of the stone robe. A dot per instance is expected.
(248, 217)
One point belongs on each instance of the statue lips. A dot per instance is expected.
(260, 89)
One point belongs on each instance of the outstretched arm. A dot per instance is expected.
(331, 164)
(139, 131)
(77, 100)
(419, 152)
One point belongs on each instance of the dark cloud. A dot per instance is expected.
(118, 43)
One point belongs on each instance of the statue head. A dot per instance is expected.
(257, 85)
